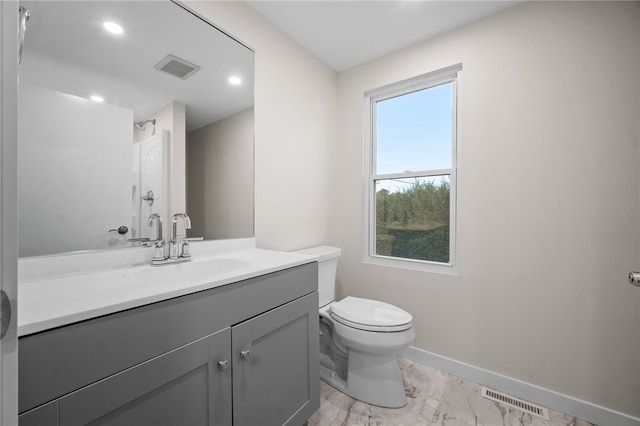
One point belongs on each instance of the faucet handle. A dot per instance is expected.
(158, 250)
(186, 248)
(174, 249)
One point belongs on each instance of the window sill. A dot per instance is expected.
(416, 265)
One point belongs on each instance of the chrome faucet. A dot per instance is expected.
(174, 224)
(157, 219)
(158, 244)
(178, 251)
(175, 251)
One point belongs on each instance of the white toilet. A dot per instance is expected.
(360, 339)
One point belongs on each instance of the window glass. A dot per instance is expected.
(413, 131)
(413, 217)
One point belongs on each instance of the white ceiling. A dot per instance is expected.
(67, 50)
(345, 33)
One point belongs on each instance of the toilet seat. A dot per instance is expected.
(370, 315)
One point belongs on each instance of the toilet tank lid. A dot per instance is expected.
(323, 252)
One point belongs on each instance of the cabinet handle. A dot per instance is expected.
(223, 365)
(245, 354)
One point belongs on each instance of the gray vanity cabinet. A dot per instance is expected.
(158, 365)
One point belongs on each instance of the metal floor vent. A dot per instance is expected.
(518, 404)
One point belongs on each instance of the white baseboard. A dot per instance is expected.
(547, 398)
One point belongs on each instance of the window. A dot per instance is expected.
(410, 166)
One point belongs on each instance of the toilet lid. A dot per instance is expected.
(370, 315)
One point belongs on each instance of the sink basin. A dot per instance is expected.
(189, 272)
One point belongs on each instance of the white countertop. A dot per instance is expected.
(45, 302)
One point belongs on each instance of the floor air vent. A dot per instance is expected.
(518, 404)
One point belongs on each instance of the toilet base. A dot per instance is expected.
(374, 379)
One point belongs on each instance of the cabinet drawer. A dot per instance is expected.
(56, 362)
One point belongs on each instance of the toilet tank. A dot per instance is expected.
(327, 266)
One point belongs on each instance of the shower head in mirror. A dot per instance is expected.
(141, 125)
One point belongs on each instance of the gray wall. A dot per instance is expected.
(220, 178)
(549, 188)
(548, 199)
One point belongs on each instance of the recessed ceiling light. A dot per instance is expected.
(96, 98)
(114, 28)
(235, 80)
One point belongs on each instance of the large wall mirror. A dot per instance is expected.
(169, 130)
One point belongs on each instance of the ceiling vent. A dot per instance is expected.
(177, 67)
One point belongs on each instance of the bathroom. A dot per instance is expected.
(550, 120)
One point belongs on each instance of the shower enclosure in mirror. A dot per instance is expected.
(126, 109)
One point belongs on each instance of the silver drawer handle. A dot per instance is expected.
(223, 365)
(245, 354)
(634, 278)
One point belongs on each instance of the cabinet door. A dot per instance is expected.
(275, 365)
(182, 387)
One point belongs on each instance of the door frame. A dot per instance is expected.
(8, 207)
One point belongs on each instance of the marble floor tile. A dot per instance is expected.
(433, 398)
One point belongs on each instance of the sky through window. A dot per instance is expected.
(414, 131)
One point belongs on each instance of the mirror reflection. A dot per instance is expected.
(126, 110)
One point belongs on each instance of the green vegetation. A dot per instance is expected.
(414, 222)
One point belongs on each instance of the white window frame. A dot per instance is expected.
(450, 74)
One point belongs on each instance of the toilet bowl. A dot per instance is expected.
(360, 339)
